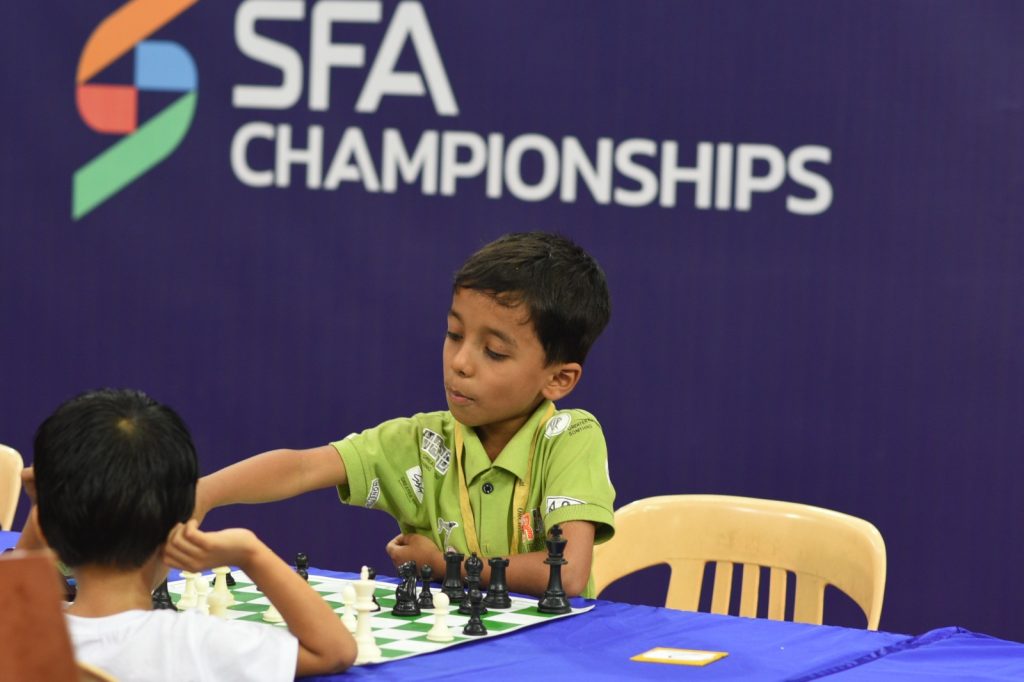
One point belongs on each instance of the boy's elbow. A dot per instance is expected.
(574, 582)
(344, 656)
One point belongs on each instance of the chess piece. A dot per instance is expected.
(348, 600)
(439, 631)
(220, 586)
(218, 602)
(367, 650)
(372, 575)
(302, 566)
(452, 585)
(554, 599)
(474, 567)
(475, 626)
(272, 615)
(202, 594)
(405, 593)
(189, 596)
(426, 599)
(162, 598)
(497, 591)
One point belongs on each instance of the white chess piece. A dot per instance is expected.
(189, 598)
(218, 604)
(348, 600)
(202, 594)
(366, 647)
(220, 585)
(272, 615)
(439, 631)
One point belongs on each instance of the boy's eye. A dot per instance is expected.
(493, 355)
(453, 336)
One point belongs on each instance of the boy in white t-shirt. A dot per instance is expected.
(114, 476)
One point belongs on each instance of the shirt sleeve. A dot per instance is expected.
(382, 466)
(577, 486)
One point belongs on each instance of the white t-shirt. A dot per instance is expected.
(137, 646)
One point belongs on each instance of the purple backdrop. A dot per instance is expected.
(825, 308)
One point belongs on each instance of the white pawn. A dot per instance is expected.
(220, 584)
(218, 604)
(189, 597)
(439, 632)
(272, 615)
(348, 600)
(202, 594)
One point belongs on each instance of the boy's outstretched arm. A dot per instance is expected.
(274, 475)
(526, 573)
(325, 644)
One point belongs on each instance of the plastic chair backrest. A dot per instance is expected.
(821, 547)
(11, 465)
(34, 639)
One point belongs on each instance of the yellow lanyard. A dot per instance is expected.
(519, 498)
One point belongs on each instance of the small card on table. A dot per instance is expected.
(663, 654)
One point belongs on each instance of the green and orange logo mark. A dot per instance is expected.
(159, 66)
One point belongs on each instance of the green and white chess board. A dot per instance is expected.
(397, 637)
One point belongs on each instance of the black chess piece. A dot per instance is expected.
(452, 585)
(475, 626)
(474, 567)
(554, 599)
(230, 579)
(497, 591)
(302, 565)
(162, 598)
(426, 599)
(371, 574)
(405, 593)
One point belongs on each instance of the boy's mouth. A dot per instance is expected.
(457, 398)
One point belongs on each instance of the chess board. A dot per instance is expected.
(396, 636)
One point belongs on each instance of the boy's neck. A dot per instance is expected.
(494, 437)
(104, 591)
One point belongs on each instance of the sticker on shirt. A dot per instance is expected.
(433, 445)
(560, 422)
(553, 503)
(415, 476)
(374, 495)
(445, 528)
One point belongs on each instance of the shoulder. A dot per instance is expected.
(572, 424)
(401, 431)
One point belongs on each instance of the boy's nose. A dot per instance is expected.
(461, 363)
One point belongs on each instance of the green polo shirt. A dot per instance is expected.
(406, 467)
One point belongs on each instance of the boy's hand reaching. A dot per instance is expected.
(412, 547)
(191, 549)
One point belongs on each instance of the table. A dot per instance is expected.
(597, 646)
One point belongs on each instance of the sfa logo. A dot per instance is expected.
(112, 109)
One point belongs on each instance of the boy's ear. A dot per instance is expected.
(563, 379)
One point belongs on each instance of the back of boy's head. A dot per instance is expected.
(115, 471)
(561, 285)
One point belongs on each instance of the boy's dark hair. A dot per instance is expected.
(562, 286)
(115, 470)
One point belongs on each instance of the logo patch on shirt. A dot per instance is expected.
(433, 445)
(415, 476)
(445, 529)
(553, 503)
(374, 494)
(560, 422)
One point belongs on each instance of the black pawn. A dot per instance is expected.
(162, 598)
(230, 579)
(474, 567)
(554, 599)
(426, 600)
(371, 574)
(497, 591)
(475, 626)
(302, 565)
(452, 585)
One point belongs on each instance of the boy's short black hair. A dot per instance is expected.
(562, 286)
(115, 470)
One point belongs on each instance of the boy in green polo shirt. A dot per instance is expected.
(502, 465)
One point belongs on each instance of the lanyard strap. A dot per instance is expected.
(519, 498)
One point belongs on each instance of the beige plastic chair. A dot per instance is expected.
(11, 465)
(821, 547)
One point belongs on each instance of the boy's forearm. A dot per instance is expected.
(528, 574)
(328, 645)
(271, 476)
(31, 537)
